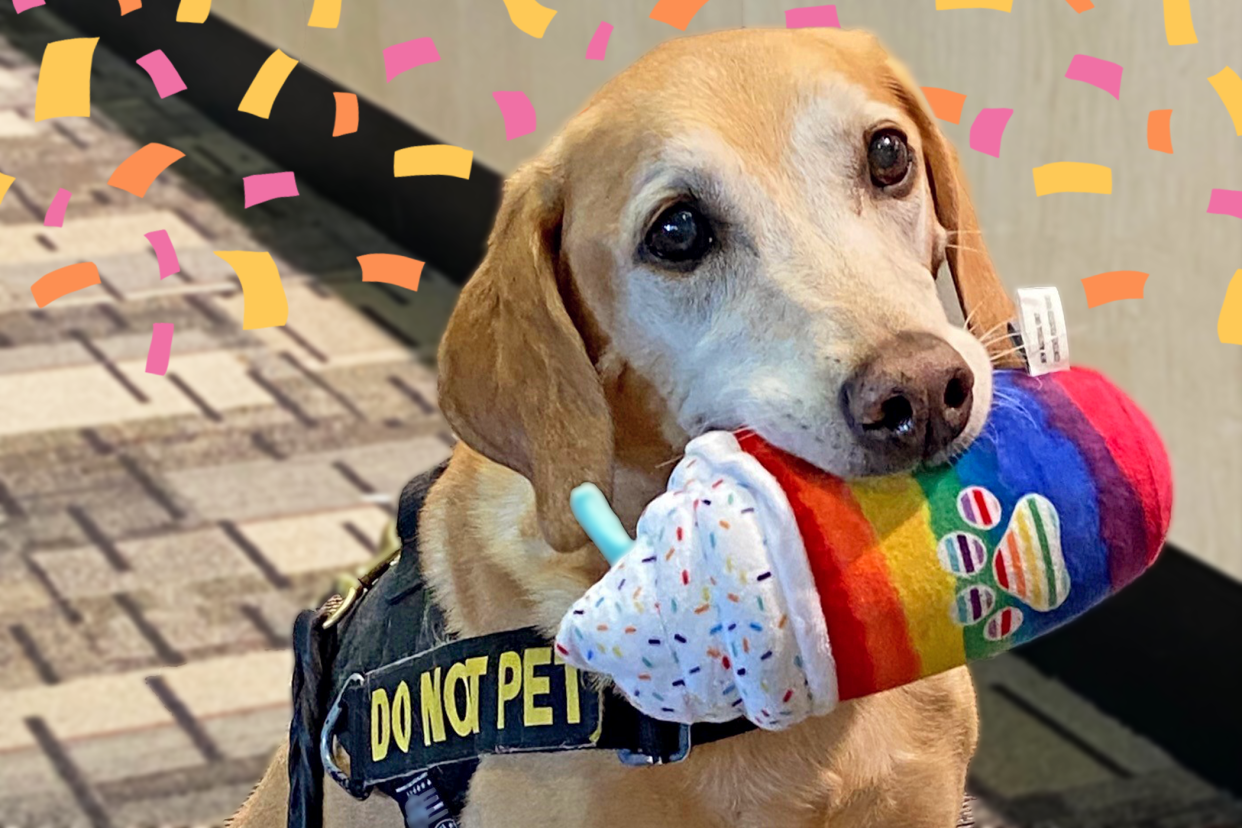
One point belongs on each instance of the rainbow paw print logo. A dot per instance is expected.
(1027, 564)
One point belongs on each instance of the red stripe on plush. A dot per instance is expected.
(864, 615)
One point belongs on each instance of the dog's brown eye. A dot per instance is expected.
(680, 235)
(888, 156)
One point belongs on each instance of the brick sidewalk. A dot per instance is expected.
(158, 534)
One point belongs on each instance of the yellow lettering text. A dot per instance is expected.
(379, 725)
(573, 712)
(533, 686)
(432, 707)
(402, 717)
(510, 684)
(468, 673)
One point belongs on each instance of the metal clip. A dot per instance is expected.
(354, 586)
(637, 759)
(327, 739)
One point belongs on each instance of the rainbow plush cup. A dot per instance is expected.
(759, 586)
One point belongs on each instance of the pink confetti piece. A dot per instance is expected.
(518, 113)
(1102, 74)
(987, 130)
(267, 186)
(163, 74)
(26, 5)
(812, 17)
(1226, 203)
(161, 348)
(165, 254)
(598, 46)
(55, 216)
(402, 57)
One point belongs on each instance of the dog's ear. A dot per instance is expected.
(516, 383)
(980, 292)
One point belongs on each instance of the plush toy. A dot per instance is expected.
(759, 586)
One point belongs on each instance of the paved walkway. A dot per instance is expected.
(158, 534)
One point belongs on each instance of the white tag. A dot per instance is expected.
(1041, 321)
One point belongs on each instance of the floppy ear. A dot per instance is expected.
(516, 383)
(985, 303)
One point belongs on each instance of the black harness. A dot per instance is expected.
(414, 708)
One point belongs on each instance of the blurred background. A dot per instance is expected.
(158, 534)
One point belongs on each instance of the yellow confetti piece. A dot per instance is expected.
(1229, 326)
(325, 14)
(265, 303)
(1179, 26)
(193, 11)
(6, 181)
(994, 5)
(65, 79)
(433, 159)
(266, 85)
(1229, 86)
(1072, 177)
(529, 16)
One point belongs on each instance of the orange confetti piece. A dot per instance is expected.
(1229, 325)
(346, 114)
(1110, 287)
(138, 172)
(1158, 136)
(391, 269)
(128, 6)
(1081, 6)
(56, 284)
(946, 105)
(677, 13)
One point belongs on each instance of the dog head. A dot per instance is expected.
(743, 230)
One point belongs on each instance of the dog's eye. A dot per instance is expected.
(679, 235)
(888, 156)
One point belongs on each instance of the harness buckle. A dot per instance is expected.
(327, 740)
(655, 753)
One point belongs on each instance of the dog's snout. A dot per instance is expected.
(910, 400)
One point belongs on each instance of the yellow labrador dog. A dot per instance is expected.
(743, 229)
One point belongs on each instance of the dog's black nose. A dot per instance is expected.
(910, 400)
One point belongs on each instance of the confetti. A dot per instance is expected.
(1179, 26)
(65, 79)
(402, 57)
(677, 13)
(1110, 287)
(994, 5)
(1229, 86)
(1159, 137)
(346, 114)
(267, 186)
(265, 303)
(68, 279)
(26, 5)
(518, 113)
(325, 14)
(1081, 6)
(163, 74)
(946, 105)
(1229, 325)
(432, 159)
(391, 269)
(138, 172)
(165, 253)
(6, 181)
(811, 17)
(55, 216)
(1072, 177)
(266, 85)
(1102, 74)
(988, 129)
(128, 6)
(160, 349)
(598, 46)
(529, 16)
(1226, 203)
(193, 11)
